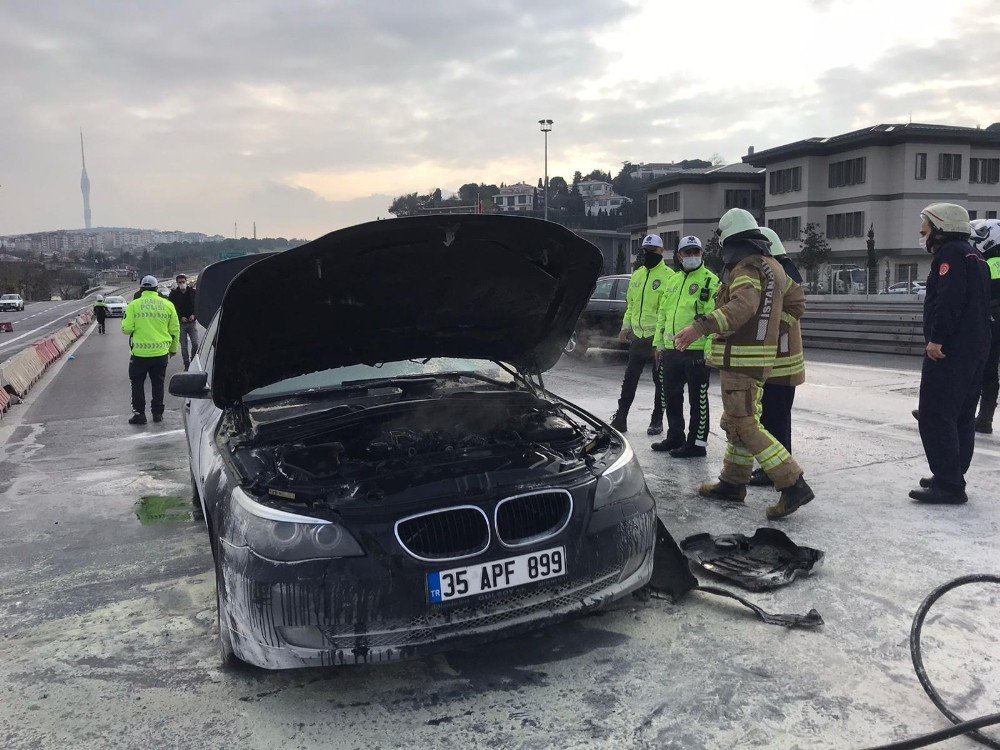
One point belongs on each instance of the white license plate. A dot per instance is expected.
(457, 583)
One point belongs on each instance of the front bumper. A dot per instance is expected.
(370, 610)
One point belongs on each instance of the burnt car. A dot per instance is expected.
(601, 321)
(380, 467)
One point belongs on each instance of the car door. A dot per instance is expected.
(593, 321)
(201, 415)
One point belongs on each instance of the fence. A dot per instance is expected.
(889, 325)
(854, 280)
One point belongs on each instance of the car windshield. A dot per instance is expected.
(114, 300)
(338, 376)
(9, 296)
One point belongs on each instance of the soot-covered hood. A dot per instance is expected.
(215, 279)
(486, 287)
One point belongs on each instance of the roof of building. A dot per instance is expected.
(737, 172)
(885, 134)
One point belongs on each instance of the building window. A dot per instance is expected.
(921, 170)
(949, 166)
(991, 214)
(984, 171)
(785, 180)
(522, 199)
(748, 199)
(845, 225)
(906, 272)
(670, 240)
(786, 229)
(973, 215)
(670, 202)
(652, 207)
(847, 172)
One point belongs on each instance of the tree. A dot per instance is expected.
(541, 185)
(436, 197)
(712, 253)
(558, 186)
(405, 205)
(815, 250)
(468, 193)
(577, 178)
(717, 160)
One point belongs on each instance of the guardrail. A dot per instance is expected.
(885, 326)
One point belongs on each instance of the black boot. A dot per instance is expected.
(984, 425)
(926, 482)
(722, 490)
(689, 450)
(792, 498)
(655, 425)
(669, 443)
(916, 414)
(935, 495)
(137, 418)
(157, 417)
(759, 478)
(619, 422)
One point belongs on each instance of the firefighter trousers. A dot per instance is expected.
(747, 438)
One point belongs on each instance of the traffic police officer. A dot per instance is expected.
(690, 292)
(643, 302)
(986, 237)
(957, 332)
(752, 310)
(789, 367)
(100, 312)
(154, 336)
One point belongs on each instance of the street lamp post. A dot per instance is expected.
(546, 126)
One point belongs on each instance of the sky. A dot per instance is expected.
(306, 117)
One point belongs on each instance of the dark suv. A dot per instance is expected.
(601, 321)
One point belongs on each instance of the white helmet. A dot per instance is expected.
(149, 282)
(652, 240)
(986, 234)
(689, 242)
(776, 247)
(100, 298)
(948, 217)
(735, 221)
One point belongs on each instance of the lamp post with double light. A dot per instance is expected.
(546, 126)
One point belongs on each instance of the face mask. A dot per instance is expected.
(691, 263)
(651, 259)
(182, 287)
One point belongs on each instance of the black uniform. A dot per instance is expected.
(777, 399)
(957, 316)
(991, 376)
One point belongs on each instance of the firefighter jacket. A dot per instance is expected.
(957, 303)
(789, 363)
(749, 313)
(100, 311)
(643, 299)
(688, 295)
(151, 322)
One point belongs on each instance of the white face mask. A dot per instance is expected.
(182, 287)
(691, 263)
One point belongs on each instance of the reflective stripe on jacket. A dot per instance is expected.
(643, 299)
(152, 323)
(789, 362)
(688, 294)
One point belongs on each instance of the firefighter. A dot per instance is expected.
(789, 368)
(957, 331)
(690, 292)
(643, 301)
(154, 336)
(752, 311)
(100, 312)
(986, 237)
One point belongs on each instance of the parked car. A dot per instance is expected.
(10, 302)
(905, 287)
(391, 479)
(601, 321)
(116, 306)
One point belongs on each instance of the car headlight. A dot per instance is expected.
(620, 481)
(289, 537)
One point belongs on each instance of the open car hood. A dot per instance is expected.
(485, 287)
(214, 280)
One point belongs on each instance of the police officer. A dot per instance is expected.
(986, 238)
(154, 336)
(957, 332)
(690, 292)
(100, 312)
(751, 308)
(789, 368)
(642, 304)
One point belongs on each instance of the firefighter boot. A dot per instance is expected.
(792, 498)
(723, 490)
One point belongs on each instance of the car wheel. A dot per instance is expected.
(575, 347)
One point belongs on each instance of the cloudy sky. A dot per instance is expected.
(306, 116)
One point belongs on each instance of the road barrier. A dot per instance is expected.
(881, 326)
(22, 371)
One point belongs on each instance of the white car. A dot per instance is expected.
(905, 287)
(11, 302)
(116, 306)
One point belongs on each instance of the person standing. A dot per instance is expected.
(154, 336)
(100, 312)
(986, 238)
(689, 293)
(642, 303)
(751, 309)
(789, 368)
(183, 298)
(957, 331)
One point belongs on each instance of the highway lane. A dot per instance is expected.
(108, 622)
(38, 320)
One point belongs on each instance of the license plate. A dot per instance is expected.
(458, 583)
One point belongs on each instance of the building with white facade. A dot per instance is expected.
(514, 198)
(879, 177)
(598, 196)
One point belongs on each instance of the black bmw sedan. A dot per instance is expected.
(381, 469)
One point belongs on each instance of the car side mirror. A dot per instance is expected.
(190, 385)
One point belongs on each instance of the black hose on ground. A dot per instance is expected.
(916, 654)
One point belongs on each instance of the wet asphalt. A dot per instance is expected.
(107, 611)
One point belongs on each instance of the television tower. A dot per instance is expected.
(85, 185)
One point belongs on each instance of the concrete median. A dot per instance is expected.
(4, 402)
(22, 371)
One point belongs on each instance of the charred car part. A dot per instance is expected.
(393, 479)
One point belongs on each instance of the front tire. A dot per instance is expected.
(575, 345)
